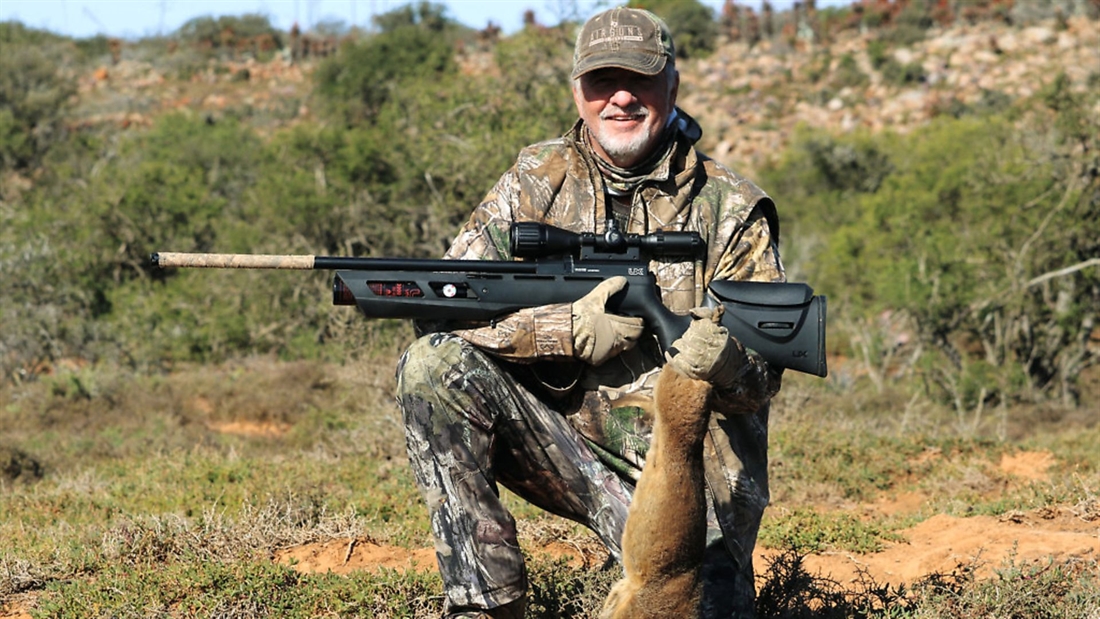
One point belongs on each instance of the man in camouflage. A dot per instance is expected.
(555, 402)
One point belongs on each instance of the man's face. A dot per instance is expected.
(625, 111)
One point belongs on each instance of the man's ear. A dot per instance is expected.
(578, 96)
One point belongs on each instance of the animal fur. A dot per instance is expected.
(665, 535)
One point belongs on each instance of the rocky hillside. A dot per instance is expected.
(750, 100)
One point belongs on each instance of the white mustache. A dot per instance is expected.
(638, 110)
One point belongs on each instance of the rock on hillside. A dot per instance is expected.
(750, 100)
(132, 92)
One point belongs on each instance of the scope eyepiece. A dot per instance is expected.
(673, 243)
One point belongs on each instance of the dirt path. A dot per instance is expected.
(938, 544)
(942, 543)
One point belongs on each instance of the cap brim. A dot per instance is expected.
(646, 64)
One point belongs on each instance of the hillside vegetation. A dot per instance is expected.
(937, 170)
(943, 181)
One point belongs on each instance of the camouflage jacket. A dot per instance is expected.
(559, 183)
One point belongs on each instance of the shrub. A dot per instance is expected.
(982, 229)
(172, 187)
(691, 22)
(911, 25)
(398, 186)
(416, 43)
(417, 156)
(33, 95)
(227, 33)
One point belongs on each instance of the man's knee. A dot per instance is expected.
(444, 380)
(430, 363)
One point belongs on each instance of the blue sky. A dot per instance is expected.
(137, 18)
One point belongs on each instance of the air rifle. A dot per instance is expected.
(783, 322)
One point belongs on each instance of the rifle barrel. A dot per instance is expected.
(302, 262)
(232, 261)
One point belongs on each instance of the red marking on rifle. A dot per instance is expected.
(395, 289)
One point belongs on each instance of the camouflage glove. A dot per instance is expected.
(597, 335)
(706, 352)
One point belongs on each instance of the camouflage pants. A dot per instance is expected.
(469, 426)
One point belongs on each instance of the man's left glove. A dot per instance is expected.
(706, 352)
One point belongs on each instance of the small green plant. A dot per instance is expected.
(894, 72)
(808, 530)
(848, 74)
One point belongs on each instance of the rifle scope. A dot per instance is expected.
(538, 240)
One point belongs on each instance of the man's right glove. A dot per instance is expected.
(598, 335)
(707, 352)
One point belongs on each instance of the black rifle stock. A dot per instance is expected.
(784, 323)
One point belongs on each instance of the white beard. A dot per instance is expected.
(624, 146)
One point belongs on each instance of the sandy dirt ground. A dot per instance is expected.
(938, 544)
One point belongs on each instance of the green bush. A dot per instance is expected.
(979, 228)
(691, 22)
(911, 25)
(225, 34)
(398, 185)
(821, 176)
(172, 187)
(417, 156)
(878, 52)
(423, 14)
(415, 44)
(33, 95)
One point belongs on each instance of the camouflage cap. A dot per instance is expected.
(625, 38)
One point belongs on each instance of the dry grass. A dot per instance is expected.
(169, 495)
